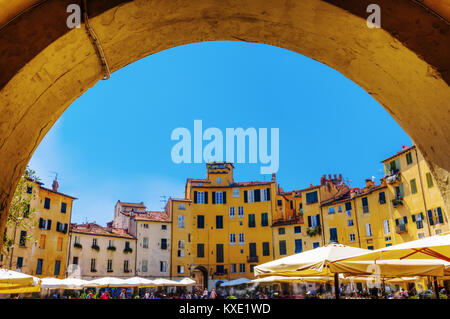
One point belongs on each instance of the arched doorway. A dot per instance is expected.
(200, 275)
(404, 65)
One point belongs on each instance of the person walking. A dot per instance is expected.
(213, 294)
(205, 293)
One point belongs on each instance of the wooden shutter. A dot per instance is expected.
(49, 224)
(195, 197)
(245, 197)
(309, 221)
(405, 220)
(206, 197)
(268, 193)
(257, 195)
(224, 197)
(430, 217)
(213, 195)
(441, 218)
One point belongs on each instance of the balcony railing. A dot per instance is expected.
(252, 259)
(397, 202)
(401, 228)
(393, 178)
(283, 221)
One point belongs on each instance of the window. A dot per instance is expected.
(333, 235)
(297, 229)
(23, 238)
(340, 209)
(298, 246)
(311, 197)
(145, 242)
(282, 247)
(180, 269)
(368, 230)
(181, 244)
(266, 195)
(219, 197)
(19, 262)
(233, 239)
(109, 265)
(180, 221)
(252, 268)
(331, 210)
(200, 250)
(314, 221)
(144, 267)
(94, 241)
(264, 219)
(219, 180)
(316, 245)
(39, 267)
(233, 268)
(199, 198)
(348, 206)
(164, 243)
(240, 212)
(429, 180)
(164, 227)
(59, 245)
(219, 222)
(251, 220)
(370, 247)
(386, 226)
(413, 186)
(409, 159)
(232, 212)
(93, 265)
(200, 221)
(219, 253)
(350, 222)
(145, 226)
(281, 231)
(162, 266)
(47, 203)
(382, 197)
(29, 189)
(77, 240)
(352, 237)
(241, 239)
(75, 260)
(265, 249)
(181, 206)
(419, 220)
(236, 192)
(42, 242)
(63, 207)
(127, 245)
(125, 266)
(365, 204)
(241, 268)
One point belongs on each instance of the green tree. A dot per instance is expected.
(20, 211)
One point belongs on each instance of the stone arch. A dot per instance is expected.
(45, 66)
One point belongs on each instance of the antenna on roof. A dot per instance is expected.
(347, 181)
(163, 201)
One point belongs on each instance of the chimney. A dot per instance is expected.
(353, 193)
(55, 184)
(370, 183)
(273, 177)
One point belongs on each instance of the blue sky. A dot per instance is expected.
(113, 143)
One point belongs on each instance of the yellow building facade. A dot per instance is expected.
(221, 237)
(224, 226)
(42, 250)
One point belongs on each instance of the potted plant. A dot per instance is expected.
(77, 245)
(95, 247)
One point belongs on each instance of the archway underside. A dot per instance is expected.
(404, 65)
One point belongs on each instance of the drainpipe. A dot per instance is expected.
(423, 194)
(356, 219)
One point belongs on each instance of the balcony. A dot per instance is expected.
(393, 177)
(283, 221)
(397, 202)
(401, 228)
(252, 259)
(313, 231)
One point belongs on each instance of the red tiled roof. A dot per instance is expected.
(52, 191)
(148, 216)
(132, 204)
(95, 229)
(399, 153)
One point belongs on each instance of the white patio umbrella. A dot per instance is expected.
(272, 279)
(164, 282)
(74, 283)
(235, 282)
(186, 282)
(434, 247)
(107, 282)
(139, 282)
(313, 262)
(52, 283)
